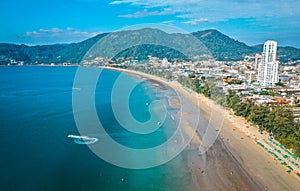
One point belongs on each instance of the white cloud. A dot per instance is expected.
(117, 2)
(220, 10)
(146, 13)
(246, 17)
(70, 29)
(168, 22)
(59, 35)
(58, 32)
(196, 21)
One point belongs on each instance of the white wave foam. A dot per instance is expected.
(83, 140)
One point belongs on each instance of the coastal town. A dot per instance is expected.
(260, 78)
(251, 77)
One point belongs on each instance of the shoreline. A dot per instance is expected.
(259, 166)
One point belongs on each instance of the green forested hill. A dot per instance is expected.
(47, 54)
(219, 46)
(223, 47)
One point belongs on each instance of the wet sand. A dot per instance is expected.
(234, 161)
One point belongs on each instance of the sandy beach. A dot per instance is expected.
(235, 161)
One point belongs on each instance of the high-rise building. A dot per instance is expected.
(257, 61)
(268, 67)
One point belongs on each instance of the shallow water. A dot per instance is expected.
(37, 116)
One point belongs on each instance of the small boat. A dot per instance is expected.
(158, 123)
(83, 140)
(172, 117)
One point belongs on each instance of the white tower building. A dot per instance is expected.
(268, 67)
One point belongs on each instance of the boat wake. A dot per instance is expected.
(83, 140)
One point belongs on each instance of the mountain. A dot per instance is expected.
(138, 44)
(223, 47)
(57, 53)
(170, 46)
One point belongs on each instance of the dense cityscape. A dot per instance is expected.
(258, 88)
(261, 77)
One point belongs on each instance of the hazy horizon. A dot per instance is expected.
(78, 41)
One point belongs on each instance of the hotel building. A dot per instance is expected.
(268, 67)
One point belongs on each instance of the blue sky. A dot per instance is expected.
(63, 21)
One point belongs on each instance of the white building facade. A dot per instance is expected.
(268, 67)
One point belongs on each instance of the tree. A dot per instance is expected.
(244, 108)
(206, 90)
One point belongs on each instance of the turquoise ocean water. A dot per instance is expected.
(36, 117)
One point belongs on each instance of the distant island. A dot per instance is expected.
(221, 47)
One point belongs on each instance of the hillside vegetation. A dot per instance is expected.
(215, 45)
